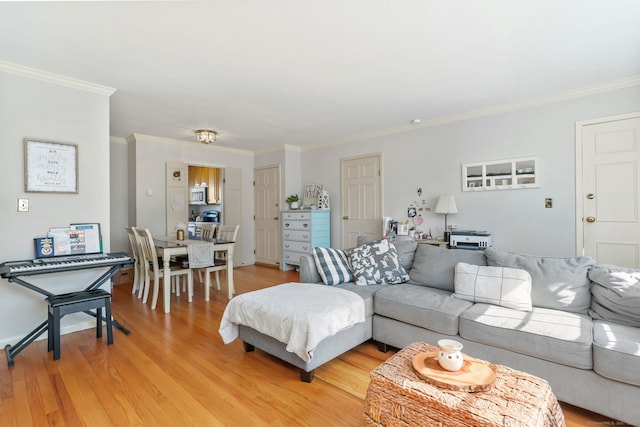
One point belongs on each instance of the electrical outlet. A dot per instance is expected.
(23, 205)
(548, 203)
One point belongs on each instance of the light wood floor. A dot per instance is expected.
(174, 370)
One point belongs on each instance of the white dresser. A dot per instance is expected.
(302, 230)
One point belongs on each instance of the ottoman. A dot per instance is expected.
(398, 396)
(288, 319)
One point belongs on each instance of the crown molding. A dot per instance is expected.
(498, 109)
(45, 76)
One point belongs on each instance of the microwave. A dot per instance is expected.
(199, 195)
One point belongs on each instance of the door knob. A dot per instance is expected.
(276, 218)
(345, 217)
(591, 219)
(590, 196)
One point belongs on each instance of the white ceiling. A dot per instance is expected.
(267, 73)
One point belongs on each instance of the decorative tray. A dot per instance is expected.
(473, 376)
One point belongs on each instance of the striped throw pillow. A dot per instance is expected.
(333, 266)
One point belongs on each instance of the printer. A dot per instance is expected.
(468, 239)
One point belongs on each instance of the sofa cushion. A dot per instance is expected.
(553, 335)
(503, 286)
(366, 292)
(377, 263)
(428, 308)
(615, 294)
(616, 352)
(333, 265)
(557, 283)
(406, 250)
(434, 266)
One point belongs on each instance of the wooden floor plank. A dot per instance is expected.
(174, 370)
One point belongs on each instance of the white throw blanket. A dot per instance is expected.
(300, 315)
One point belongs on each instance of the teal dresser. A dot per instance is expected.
(302, 230)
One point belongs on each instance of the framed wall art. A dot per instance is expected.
(50, 167)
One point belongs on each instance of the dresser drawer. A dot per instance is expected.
(296, 235)
(291, 257)
(296, 215)
(296, 225)
(289, 245)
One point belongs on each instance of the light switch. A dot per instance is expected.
(23, 205)
(149, 192)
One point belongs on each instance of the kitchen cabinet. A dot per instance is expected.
(302, 230)
(501, 174)
(212, 177)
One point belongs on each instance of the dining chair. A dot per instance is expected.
(153, 269)
(226, 233)
(208, 233)
(138, 266)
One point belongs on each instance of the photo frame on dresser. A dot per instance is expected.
(50, 167)
(311, 195)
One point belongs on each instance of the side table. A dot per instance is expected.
(398, 396)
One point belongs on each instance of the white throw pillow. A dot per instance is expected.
(503, 286)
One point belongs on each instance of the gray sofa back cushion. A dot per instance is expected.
(615, 294)
(558, 283)
(435, 266)
(407, 250)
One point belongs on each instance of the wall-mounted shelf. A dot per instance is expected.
(507, 174)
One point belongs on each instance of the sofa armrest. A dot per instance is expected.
(308, 271)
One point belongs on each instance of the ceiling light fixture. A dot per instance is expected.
(206, 136)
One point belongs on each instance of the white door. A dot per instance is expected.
(608, 192)
(177, 194)
(267, 214)
(232, 206)
(361, 198)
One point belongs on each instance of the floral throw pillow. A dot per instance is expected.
(377, 263)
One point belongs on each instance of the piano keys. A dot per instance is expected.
(64, 263)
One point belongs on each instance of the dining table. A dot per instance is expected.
(170, 246)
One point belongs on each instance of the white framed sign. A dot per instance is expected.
(50, 167)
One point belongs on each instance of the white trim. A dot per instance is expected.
(33, 73)
(579, 171)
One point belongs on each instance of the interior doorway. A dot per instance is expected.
(267, 215)
(608, 189)
(361, 198)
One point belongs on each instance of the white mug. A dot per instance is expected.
(449, 355)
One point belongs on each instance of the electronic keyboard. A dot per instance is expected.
(64, 263)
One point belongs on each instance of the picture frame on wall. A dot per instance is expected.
(50, 167)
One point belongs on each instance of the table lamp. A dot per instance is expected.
(446, 205)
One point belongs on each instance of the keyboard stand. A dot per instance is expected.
(13, 350)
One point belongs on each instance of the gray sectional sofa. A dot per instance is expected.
(582, 333)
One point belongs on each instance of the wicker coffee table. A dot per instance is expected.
(398, 396)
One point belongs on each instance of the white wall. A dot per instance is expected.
(431, 158)
(150, 155)
(36, 108)
(119, 178)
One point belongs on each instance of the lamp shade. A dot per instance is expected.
(446, 205)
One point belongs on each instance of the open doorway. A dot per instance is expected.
(205, 195)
